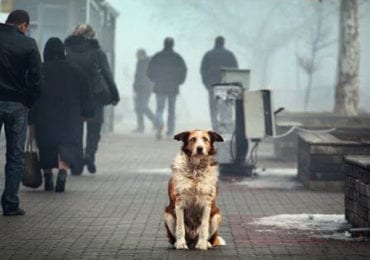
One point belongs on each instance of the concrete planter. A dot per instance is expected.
(357, 190)
(320, 159)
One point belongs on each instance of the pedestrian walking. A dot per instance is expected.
(20, 84)
(167, 70)
(143, 88)
(212, 63)
(59, 114)
(83, 49)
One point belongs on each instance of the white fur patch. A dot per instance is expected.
(222, 242)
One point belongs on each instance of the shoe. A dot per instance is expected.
(158, 135)
(61, 181)
(91, 167)
(17, 212)
(90, 164)
(48, 181)
(77, 169)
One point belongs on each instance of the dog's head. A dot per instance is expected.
(198, 142)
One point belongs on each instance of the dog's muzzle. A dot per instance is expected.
(199, 150)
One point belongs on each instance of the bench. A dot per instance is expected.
(320, 158)
(286, 148)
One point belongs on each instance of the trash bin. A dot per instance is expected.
(229, 95)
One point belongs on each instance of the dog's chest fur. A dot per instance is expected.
(194, 185)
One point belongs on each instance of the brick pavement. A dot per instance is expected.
(117, 213)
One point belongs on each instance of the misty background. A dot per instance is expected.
(277, 40)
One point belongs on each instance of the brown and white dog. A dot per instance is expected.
(192, 219)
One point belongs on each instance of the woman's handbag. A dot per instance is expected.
(32, 177)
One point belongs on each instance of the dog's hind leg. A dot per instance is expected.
(170, 223)
(214, 226)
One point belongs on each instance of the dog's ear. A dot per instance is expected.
(215, 137)
(182, 136)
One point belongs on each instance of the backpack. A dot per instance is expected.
(100, 88)
(88, 62)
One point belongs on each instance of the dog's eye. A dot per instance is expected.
(205, 139)
(193, 139)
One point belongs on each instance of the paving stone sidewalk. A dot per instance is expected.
(117, 213)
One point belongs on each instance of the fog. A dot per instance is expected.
(267, 36)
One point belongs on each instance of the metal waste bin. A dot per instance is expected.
(243, 118)
(229, 94)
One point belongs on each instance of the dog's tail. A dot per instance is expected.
(219, 241)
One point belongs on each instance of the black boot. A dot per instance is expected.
(77, 169)
(48, 181)
(61, 181)
(90, 163)
(91, 167)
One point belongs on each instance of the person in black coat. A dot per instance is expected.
(83, 49)
(143, 88)
(167, 70)
(212, 63)
(20, 86)
(59, 113)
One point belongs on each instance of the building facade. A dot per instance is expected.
(54, 18)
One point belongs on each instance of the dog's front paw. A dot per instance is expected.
(202, 244)
(181, 245)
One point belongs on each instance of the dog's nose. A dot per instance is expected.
(199, 149)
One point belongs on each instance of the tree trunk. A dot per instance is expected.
(347, 87)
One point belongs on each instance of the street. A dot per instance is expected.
(117, 213)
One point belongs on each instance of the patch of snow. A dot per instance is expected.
(320, 226)
(313, 222)
(273, 178)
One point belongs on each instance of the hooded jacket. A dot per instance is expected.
(58, 114)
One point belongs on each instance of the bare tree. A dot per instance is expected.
(319, 40)
(273, 31)
(347, 87)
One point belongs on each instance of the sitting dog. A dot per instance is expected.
(192, 219)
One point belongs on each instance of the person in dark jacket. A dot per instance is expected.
(59, 113)
(167, 70)
(212, 63)
(143, 88)
(20, 84)
(83, 49)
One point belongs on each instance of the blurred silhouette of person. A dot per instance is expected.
(143, 88)
(167, 70)
(58, 114)
(20, 86)
(212, 63)
(83, 49)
